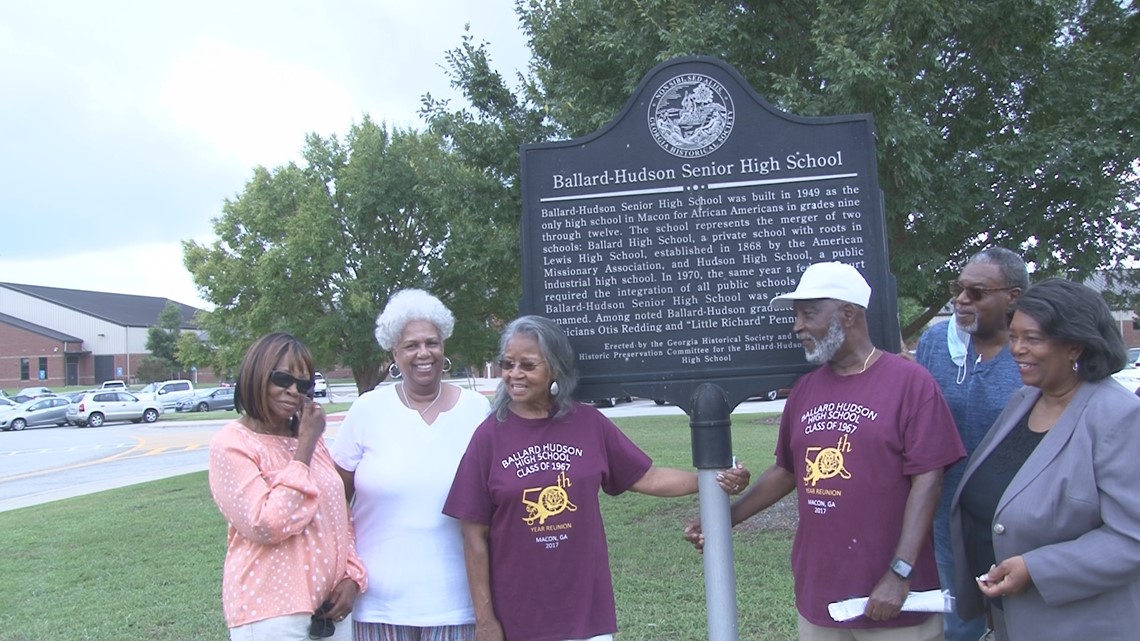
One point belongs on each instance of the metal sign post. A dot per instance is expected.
(711, 427)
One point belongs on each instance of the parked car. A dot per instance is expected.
(167, 392)
(35, 392)
(774, 394)
(320, 385)
(73, 397)
(1129, 377)
(114, 385)
(7, 403)
(611, 401)
(205, 400)
(1134, 356)
(50, 410)
(100, 406)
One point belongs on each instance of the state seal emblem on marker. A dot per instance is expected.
(691, 115)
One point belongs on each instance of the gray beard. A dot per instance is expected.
(972, 328)
(826, 347)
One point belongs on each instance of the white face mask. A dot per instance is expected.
(957, 342)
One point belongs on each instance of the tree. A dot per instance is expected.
(476, 181)
(194, 353)
(1003, 122)
(161, 339)
(316, 250)
(151, 369)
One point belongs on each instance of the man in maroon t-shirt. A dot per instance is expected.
(863, 440)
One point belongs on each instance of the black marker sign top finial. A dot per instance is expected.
(658, 241)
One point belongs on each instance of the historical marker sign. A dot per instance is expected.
(658, 241)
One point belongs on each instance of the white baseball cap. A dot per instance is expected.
(838, 281)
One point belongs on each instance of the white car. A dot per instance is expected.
(98, 407)
(168, 393)
(320, 385)
(1129, 377)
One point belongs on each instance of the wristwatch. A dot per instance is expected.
(901, 568)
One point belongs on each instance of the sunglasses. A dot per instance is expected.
(287, 380)
(973, 292)
(526, 366)
(320, 628)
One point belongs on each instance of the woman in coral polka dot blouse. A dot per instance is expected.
(291, 566)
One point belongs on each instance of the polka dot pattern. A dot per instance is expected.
(290, 538)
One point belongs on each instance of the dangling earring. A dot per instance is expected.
(446, 364)
(394, 371)
(554, 388)
(1076, 366)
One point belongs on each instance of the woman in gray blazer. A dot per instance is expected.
(1046, 521)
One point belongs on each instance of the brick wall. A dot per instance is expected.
(17, 344)
(1129, 329)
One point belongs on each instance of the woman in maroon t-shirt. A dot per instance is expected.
(526, 493)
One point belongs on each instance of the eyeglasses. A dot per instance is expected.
(973, 292)
(526, 366)
(287, 380)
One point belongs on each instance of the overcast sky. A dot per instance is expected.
(125, 124)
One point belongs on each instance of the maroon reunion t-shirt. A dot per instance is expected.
(853, 442)
(536, 483)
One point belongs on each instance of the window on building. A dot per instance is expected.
(24, 369)
(1136, 325)
(43, 368)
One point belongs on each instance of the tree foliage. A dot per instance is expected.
(151, 369)
(194, 353)
(1004, 122)
(162, 338)
(316, 250)
(476, 180)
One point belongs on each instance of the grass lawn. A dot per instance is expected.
(144, 562)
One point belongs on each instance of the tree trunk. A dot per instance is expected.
(367, 378)
(916, 325)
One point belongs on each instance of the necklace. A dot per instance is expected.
(404, 397)
(868, 359)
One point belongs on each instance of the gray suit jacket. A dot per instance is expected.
(1073, 513)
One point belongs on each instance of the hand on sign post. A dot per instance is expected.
(734, 479)
(694, 535)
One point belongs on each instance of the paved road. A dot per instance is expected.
(40, 465)
(48, 464)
